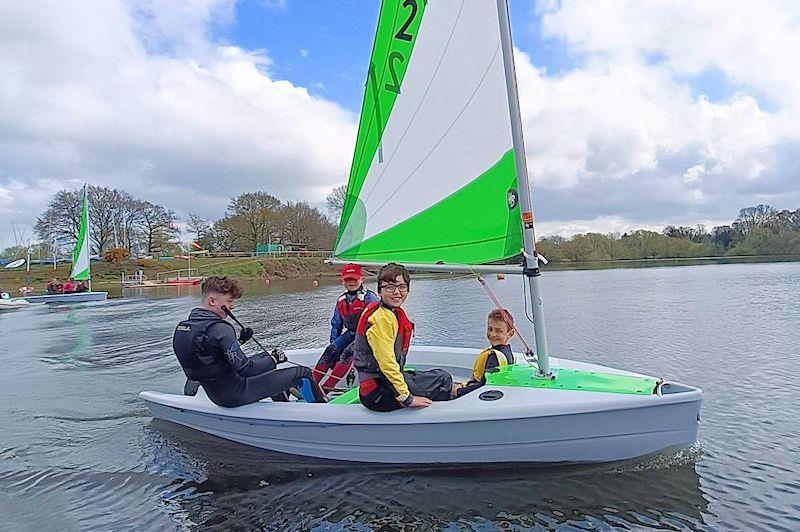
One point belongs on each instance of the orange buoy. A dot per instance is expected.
(314, 283)
(266, 280)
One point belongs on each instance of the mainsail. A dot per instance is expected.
(80, 258)
(433, 178)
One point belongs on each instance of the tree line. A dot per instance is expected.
(257, 218)
(758, 230)
(121, 222)
(118, 220)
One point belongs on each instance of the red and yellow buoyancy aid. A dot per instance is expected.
(383, 337)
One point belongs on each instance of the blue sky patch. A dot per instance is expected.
(325, 46)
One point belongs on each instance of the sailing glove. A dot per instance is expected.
(245, 334)
(278, 355)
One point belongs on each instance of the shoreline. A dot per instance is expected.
(108, 276)
(676, 261)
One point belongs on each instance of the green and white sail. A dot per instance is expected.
(433, 177)
(80, 258)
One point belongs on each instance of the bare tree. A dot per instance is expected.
(61, 221)
(229, 234)
(158, 226)
(335, 201)
(258, 217)
(129, 221)
(197, 226)
(784, 220)
(116, 218)
(201, 230)
(752, 217)
(303, 224)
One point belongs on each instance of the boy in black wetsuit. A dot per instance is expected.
(499, 331)
(210, 353)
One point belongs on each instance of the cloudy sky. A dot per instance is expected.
(637, 113)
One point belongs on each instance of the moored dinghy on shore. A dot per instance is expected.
(439, 182)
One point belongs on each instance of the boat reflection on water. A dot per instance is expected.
(229, 486)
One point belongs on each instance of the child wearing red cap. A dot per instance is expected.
(346, 314)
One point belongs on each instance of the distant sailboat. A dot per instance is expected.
(439, 183)
(81, 266)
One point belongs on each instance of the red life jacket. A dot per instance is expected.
(362, 352)
(351, 311)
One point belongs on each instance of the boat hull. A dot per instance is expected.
(12, 304)
(78, 297)
(525, 425)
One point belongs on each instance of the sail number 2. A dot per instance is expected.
(402, 34)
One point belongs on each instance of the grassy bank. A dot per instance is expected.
(107, 276)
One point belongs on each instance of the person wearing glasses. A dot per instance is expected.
(382, 340)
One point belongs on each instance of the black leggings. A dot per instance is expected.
(381, 399)
(270, 384)
(435, 384)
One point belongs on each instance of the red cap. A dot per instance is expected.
(352, 271)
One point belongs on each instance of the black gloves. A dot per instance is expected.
(245, 334)
(278, 355)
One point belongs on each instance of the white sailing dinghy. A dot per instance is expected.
(81, 266)
(439, 183)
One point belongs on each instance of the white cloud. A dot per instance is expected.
(753, 43)
(136, 96)
(624, 134)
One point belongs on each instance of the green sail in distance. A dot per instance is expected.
(438, 183)
(80, 258)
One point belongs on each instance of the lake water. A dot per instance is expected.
(79, 451)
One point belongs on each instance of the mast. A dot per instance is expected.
(88, 238)
(530, 257)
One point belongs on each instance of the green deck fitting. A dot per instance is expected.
(350, 397)
(573, 379)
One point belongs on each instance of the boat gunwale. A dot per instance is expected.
(305, 413)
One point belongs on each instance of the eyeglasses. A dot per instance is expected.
(391, 288)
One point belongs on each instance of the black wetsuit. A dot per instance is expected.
(209, 352)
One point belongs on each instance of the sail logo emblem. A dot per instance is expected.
(513, 199)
